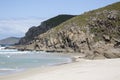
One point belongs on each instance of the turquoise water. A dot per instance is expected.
(12, 61)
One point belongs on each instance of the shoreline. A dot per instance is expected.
(107, 69)
(37, 70)
(22, 70)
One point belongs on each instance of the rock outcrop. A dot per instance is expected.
(45, 26)
(96, 34)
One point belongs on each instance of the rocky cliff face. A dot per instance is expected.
(95, 34)
(45, 26)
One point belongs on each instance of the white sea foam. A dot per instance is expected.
(14, 60)
(1, 48)
(12, 51)
(7, 69)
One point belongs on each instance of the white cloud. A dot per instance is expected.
(16, 27)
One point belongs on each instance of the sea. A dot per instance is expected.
(12, 60)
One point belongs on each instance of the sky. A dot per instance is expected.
(17, 16)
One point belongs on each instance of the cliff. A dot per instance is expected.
(44, 27)
(95, 34)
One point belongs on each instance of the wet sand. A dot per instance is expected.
(107, 69)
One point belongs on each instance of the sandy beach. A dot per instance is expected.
(107, 69)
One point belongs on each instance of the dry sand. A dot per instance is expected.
(107, 69)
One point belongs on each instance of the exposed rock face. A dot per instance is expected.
(96, 34)
(45, 26)
(106, 27)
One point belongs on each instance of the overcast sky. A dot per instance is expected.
(17, 16)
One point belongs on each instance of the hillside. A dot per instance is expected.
(45, 26)
(95, 34)
(9, 41)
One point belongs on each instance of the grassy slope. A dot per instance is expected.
(47, 25)
(81, 20)
(58, 19)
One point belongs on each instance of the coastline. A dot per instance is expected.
(62, 59)
(107, 69)
(42, 69)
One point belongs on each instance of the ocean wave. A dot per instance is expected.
(7, 69)
(13, 51)
(1, 48)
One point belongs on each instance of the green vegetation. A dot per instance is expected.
(101, 25)
(98, 21)
(58, 20)
(82, 20)
(44, 27)
(115, 6)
